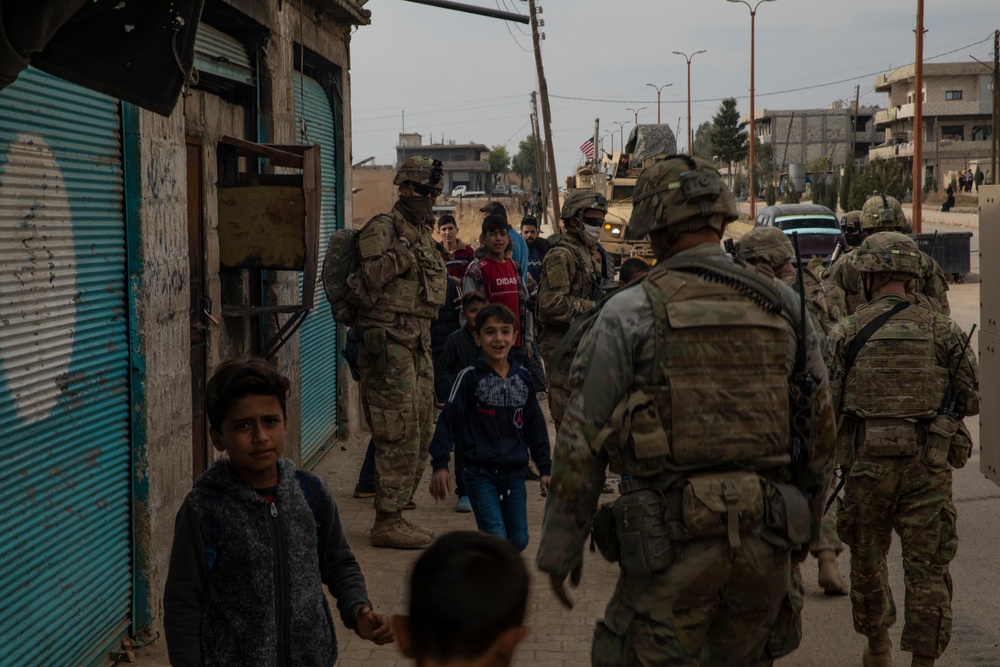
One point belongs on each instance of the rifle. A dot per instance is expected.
(801, 388)
(948, 404)
(930, 250)
(731, 247)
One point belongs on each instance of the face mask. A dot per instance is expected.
(415, 209)
(592, 233)
(854, 236)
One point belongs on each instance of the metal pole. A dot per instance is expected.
(543, 90)
(996, 100)
(690, 140)
(753, 188)
(918, 122)
(597, 134)
(482, 11)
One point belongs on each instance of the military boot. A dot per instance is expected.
(830, 579)
(390, 531)
(417, 529)
(922, 661)
(878, 653)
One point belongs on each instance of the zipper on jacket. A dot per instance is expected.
(281, 613)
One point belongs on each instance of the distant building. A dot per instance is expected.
(957, 116)
(800, 136)
(464, 164)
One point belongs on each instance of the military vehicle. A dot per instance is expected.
(615, 178)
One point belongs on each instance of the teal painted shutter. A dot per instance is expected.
(217, 53)
(64, 397)
(318, 354)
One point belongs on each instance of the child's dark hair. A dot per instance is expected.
(495, 311)
(470, 298)
(631, 268)
(237, 378)
(446, 219)
(493, 223)
(465, 591)
(529, 221)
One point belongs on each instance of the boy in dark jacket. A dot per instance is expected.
(493, 418)
(255, 541)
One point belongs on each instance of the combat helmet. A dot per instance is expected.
(891, 253)
(427, 175)
(882, 213)
(578, 201)
(682, 194)
(766, 245)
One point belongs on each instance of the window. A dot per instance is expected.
(460, 157)
(953, 95)
(981, 132)
(954, 132)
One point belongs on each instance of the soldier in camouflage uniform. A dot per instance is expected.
(900, 394)
(400, 287)
(683, 386)
(883, 214)
(569, 285)
(770, 248)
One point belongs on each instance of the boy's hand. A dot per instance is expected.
(543, 484)
(440, 484)
(373, 627)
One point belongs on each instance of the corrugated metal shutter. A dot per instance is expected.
(217, 53)
(318, 352)
(64, 397)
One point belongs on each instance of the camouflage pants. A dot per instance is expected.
(557, 376)
(828, 539)
(713, 607)
(399, 405)
(902, 494)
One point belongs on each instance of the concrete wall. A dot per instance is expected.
(162, 296)
(375, 192)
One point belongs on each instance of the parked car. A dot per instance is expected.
(515, 190)
(817, 227)
(501, 190)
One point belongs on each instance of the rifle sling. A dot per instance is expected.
(867, 332)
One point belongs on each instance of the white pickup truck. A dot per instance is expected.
(461, 191)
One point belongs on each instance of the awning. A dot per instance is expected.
(137, 50)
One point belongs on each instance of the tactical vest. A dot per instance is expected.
(420, 292)
(894, 382)
(719, 391)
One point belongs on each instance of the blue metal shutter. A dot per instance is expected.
(318, 354)
(64, 358)
(217, 53)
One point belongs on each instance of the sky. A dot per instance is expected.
(468, 78)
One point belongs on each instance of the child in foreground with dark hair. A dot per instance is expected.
(493, 418)
(468, 594)
(255, 541)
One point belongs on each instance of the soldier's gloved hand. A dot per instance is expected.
(559, 589)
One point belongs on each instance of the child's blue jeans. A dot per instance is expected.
(499, 502)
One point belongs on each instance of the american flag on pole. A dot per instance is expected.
(588, 149)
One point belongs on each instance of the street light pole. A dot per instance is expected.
(753, 138)
(658, 89)
(621, 134)
(612, 135)
(688, 59)
(636, 112)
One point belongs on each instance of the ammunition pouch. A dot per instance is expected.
(640, 520)
(723, 504)
(940, 433)
(787, 514)
(375, 346)
(892, 436)
(961, 447)
(605, 533)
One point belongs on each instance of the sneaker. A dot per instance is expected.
(463, 505)
(361, 491)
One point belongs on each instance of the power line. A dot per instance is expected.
(507, 24)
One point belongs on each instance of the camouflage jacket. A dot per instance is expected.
(930, 285)
(568, 283)
(615, 355)
(824, 299)
(948, 341)
(383, 258)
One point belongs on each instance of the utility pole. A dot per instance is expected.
(543, 90)
(854, 129)
(996, 102)
(918, 123)
(597, 134)
(539, 159)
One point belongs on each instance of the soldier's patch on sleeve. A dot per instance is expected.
(373, 240)
(557, 271)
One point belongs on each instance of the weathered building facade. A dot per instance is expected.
(116, 302)
(463, 164)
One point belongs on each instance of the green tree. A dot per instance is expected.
(730, 140)
(523, 163)
(703, 141)
(771, 194)
(886, 177)
(499, 161)
(763, 169)
(792, 196)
